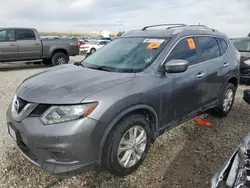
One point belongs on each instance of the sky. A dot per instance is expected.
(229, 16)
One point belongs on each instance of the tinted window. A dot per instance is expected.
(209, 48)
(7, 35)
(183, 50)
(24, 34)
(223, 45)
(102, 43)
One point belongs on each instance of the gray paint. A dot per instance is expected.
(24, 50)
(171, 98)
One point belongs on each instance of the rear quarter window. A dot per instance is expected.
(223, 45)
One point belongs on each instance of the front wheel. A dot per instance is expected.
(60, 58)
(226, 101)
(127, 145)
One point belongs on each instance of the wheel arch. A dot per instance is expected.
(142, 109)
(59, 50)
(233, 80)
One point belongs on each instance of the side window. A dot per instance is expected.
(7, 35)
(25, 34)
(209, 48)
(185, 49)
(223, 45)
(102, 43)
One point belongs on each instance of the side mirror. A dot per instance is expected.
(176, 66)
(246, 96)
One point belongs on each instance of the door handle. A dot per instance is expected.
(12, 45)
(200, 75)
(225, 64)
(37, 44)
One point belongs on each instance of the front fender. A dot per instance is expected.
(118, 118)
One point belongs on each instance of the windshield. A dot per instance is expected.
(126, 54)
(242, 45)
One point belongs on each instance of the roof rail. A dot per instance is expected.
(198, 27)
(159, 25)
(204, 26)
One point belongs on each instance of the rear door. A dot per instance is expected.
(8, 45)
(29, 46)
(213, 63)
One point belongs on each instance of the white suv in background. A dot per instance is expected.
(92, 46)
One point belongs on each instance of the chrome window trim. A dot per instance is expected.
(194, 35)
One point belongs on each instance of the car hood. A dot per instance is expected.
(68, 84)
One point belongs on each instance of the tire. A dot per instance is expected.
(60, 58)
(92, 50)
(110, 158)
(47, 61)
(220, 110)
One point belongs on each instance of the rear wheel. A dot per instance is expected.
(226, 101)
(60, 58)
(127, 145)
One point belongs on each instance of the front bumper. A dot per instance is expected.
(61, 148)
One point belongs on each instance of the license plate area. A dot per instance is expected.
(12, 132)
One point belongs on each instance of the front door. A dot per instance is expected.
(8, 45)
(186, 88)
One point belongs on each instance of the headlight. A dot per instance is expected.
(58, 114)
(247, 62)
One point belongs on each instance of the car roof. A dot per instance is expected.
(241, 38)
(17, 28)
(102, 40)
(167, 32)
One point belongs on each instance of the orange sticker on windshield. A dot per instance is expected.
(191, 43)
(153, 45)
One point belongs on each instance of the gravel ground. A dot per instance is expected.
(186, 156)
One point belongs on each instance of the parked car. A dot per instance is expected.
(235, 172)
(243, 46)
(106, 38)
(106, 111)
(82, 42)
(24, 44)
(92, 46)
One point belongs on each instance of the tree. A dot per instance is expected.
(120, 33)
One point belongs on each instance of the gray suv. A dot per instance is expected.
(104, 112)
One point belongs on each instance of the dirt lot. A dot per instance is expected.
(187, 156)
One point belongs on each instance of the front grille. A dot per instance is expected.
(22, 104)
(39, 110)
(59, 156)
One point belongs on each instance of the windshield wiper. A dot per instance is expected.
(78, 63)
(100, 68)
